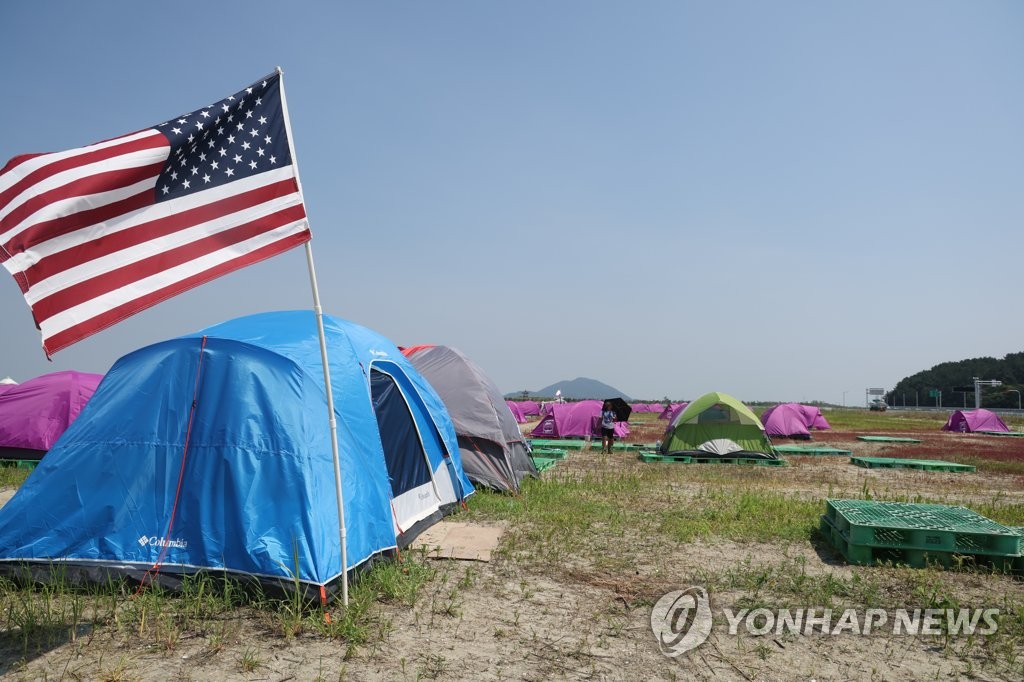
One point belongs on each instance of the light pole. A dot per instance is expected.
(844, 396)
(1013, 390)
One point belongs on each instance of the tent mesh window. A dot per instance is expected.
(716, 414)
(403, 450)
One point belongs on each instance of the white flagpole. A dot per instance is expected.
(318, 311)
(333, 422)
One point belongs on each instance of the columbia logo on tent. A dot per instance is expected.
(378, 353)
(157, 542)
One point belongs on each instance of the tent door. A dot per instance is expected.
(407, 461)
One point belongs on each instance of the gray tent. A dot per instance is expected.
(494, 452)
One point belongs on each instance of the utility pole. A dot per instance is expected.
(978, 383)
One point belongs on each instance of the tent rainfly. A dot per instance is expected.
(574, 420)
(793, 420)
(33, 415)
(966, 421)
(494, 452)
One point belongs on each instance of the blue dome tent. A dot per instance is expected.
(244, 482)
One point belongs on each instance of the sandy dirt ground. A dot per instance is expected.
(515, 619)
(509, 625)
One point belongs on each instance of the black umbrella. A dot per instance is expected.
(621, 407)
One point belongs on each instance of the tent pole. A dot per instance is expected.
(333, 422)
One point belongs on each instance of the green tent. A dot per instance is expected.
(717, 424)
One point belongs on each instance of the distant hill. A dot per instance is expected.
(579, 388)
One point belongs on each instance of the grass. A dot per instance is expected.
(12, 476)
(40, 615)
(884, 422)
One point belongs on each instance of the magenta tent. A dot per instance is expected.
(530, 408)
(966, 421)
(33, 415)
(527, 408)
(574, 420)
(793, 420)
(672, 411)
(517, 411)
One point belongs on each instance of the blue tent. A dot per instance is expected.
(244, 483)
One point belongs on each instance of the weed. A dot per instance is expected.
(249, 660)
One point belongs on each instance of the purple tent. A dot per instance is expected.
(647, 407)
(530, 408)
(33, 415)
(517, 411)
(966, 421)
(670, 412)
(792, 420)
(574, 420)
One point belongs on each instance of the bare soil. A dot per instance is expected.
(586, 619)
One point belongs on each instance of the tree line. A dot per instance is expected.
(956, 379)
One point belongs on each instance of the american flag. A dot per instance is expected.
(96, 234)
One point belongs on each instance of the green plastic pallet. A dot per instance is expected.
(566, 444)
(549, 453)
(924, 527)
(921, 464)
(1011, 434)
(573, 444)
(647, 456)
(544, 463)
(888, 439)
(596, 445)
(802, 450)
(868, 556)
(690, 459)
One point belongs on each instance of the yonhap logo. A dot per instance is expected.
(681, 620)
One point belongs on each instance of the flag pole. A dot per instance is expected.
(318, 312)
(332, 421)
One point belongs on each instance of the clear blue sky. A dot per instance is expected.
(777, 200)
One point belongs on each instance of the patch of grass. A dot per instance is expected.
(1000, 511)
(250, 660)
(552, 518)
(13, 477)
(745, 515)
(386, 581)
(392, 581)
(43, 614)
(1013, 467)
(882, 422)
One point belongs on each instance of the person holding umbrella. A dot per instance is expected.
(608, 419)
